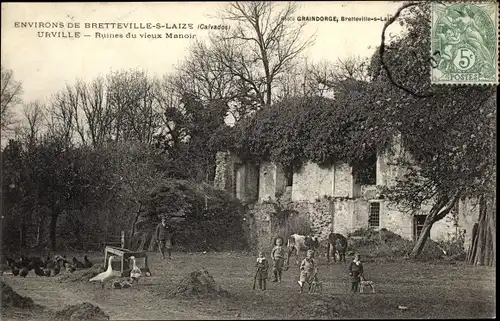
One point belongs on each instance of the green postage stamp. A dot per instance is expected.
(464, 42)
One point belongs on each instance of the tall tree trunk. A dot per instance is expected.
(473, 246)
(22, 233)
(132, 228)
(483, 246)
(424, 235)
(53, 225)
(441, 208)
(39, 231)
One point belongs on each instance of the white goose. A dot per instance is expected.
(135, 273)
(104, 276)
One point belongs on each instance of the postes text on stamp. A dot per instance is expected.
(464, 43)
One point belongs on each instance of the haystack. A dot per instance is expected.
(11, 298)
(82, 311)
(198, 283)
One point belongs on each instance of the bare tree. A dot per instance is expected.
(74, 101)
(340, 76)
(60, 116)
(96, 110)
(203, 76)
(331, 74)
(131, 95)
(11, 91)
(33, 112)
(168, 95)
(303, 80)
(264, 44)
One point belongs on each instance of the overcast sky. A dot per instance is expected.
(45, 65)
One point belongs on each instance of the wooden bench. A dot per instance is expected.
(124, 255)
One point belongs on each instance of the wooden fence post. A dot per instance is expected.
(122, 239)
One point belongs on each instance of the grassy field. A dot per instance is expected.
(427, 290)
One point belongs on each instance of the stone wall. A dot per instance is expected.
(247, 182)
(403, 223)
(343, 181)
(312, 182)
(280, 180)
(396, 221)
(267, 182)
(236, 177)
(272, 182)
(344, 215)
(224, 171)
(314, 217)
(467, 216)
(318, 216)
(261, 236)
(328, 199)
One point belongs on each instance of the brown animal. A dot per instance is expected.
(297, 243)
(337, 244)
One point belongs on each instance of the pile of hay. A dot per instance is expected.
(198, 283)
(321, 308)
(11, 298)
(82, 311)
(386, 244)
(83, 275)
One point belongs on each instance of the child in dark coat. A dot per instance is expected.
(355, 271)
(261, 273)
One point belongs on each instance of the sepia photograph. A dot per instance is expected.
(248, 160)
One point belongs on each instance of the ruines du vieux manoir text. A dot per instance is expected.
(113, 27)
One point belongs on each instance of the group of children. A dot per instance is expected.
(308, 269)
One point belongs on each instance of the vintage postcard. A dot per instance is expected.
(248, 160)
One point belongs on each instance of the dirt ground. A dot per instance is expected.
(427, 290)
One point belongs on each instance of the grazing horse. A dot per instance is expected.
(338, 243)
(297, 243)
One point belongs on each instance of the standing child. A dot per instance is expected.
(355, 271)
(261, 273)
(307, 270)
(278, 257)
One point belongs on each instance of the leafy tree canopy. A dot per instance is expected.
(448, 130)
(318, 129)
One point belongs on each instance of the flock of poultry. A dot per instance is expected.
(52, 267)
(47, 267)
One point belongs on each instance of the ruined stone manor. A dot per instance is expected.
(331, 199)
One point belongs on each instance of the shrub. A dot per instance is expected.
(209, 219)
(454, 246)
(388, 245)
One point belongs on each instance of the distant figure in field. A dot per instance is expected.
(164, 234)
